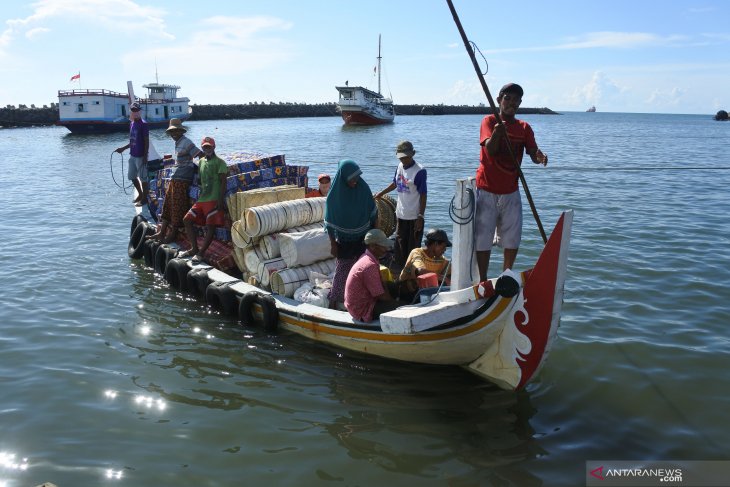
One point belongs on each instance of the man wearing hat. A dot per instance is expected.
(324, 181)
(365, 296)
(410, 182)
(210, 208)
(139, 145)
(422, 260)
(499, 205)
(177, 201)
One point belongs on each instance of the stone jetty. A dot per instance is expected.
(24, 116)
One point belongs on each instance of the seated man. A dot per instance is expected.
(210, 209)
(421, 260)
(365, 296)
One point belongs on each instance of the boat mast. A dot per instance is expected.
(379, 58)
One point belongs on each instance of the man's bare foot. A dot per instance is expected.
(154, 236)
(186, 254)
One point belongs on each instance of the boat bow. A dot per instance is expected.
(532, 322)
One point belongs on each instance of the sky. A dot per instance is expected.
(641, 56)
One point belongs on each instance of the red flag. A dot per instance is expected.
(76, 76)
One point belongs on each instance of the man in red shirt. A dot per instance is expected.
(365, 296)
(499, 205)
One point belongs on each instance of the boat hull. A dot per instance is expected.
(363, 118)
(104, 127)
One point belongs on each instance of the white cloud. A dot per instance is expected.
(603, 40)
(123, 16)
(665, 97)
(226, 46)
(599, 88)
(35, 32)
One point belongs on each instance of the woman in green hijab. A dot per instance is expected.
(349, 213)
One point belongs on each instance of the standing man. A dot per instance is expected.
(139, 144)
(209, 210)
(410, 181)
(499, 205)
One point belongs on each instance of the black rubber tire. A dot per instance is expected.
(176, 273)
(150, 247)
(271, 313)
(222, 297)
(164, 254)
(135, 250)
(198, 281)
(136, 221)
(245, 307)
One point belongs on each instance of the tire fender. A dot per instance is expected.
(135, 250)
(136, 221)
(245, 307)
(221, 296)
(198, 281)
(176, 274)
(150, 247)
(163, 255)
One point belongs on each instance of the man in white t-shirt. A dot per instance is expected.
(410, 182)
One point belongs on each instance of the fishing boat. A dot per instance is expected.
(91, 111)
(501, 329)
(591, 109)
(361, 106)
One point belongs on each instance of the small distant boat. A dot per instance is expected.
(591, 109)
(361, 106)
(94, 111)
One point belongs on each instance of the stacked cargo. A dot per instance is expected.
(247, 172)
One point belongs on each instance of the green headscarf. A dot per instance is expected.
(349, 212)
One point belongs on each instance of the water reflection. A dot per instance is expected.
(423, 419)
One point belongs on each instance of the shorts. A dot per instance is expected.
(177, 202)
(499, 220)
(206, 213)
(136, 168)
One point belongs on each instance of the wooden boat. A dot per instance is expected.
(94, 111)
(501, 329)
(361, 106)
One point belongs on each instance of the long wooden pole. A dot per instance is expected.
(496, 114)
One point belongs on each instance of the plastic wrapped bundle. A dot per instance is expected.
(285, 282)
(270, 243)
(263, 220)
(267, 268)
(252, 258)
(304, 248)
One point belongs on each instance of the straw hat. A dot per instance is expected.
(176, 124)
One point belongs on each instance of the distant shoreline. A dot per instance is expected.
(23, 116)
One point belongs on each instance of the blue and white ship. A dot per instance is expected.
(93, 111)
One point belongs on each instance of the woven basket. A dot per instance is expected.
(386, 214)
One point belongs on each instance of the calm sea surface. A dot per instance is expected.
(111, 378)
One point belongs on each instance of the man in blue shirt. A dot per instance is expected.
(139, 144)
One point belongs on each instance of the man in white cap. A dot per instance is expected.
(139, 145)
(365, 296)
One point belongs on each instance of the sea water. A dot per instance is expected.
(110, 377)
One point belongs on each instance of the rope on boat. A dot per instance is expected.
(111, 170)
(465, 220)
